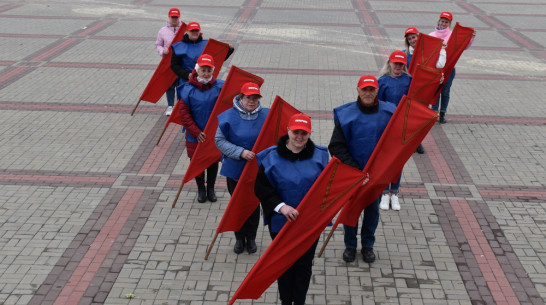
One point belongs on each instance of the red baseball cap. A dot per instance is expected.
(367, 81)
(300, 121)
(447, 15)
(205, 60)
(399, 56)
(411, 30)
(193, 26)
(174, 12)
(251, 89)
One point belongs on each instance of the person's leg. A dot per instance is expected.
(250, 228)
(395, 188)
(212, 172)
(350, 243)
(367, 234)
(170, 96)
(303, 272)
(201, 191)
(445, 97)
(239, 235)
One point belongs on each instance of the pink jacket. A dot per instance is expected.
(165, 37)
(445, 34)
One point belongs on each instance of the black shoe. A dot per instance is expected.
(201, 195)
(368, 255)
(210, 194)
(442, 118)
(251, 246)
(420, 149)
(349, 255)
(239, 246)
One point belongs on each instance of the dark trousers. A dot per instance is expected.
(249, 229)
(294, 282)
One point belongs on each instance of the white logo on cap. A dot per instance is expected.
(253, 88)
(207, 59)
(399, 56)
(368, 80)
(301, 121)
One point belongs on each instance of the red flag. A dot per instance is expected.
(406, 130)
(330, 191)
(458, 41)
(425, 85)
(426, 52)
(243, 201)
(218, 50)
(206, 152)
(163, 76)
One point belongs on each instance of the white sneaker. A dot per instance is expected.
(169, 110)
(395, 203)
(385, 199)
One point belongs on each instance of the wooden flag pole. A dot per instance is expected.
(161, 135)
(327, 240)
(134, 109)
(177, 195)
(210, 247)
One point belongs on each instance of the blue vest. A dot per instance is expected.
(200, 103)
(291, 179)
(362, 130)
(189, 52)
(241, 133)
(391, 89)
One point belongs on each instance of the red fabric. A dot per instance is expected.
(206, 152)
(219, 51)
(426, 52)
(406, 130)
(425, 85)
(163, 76)
(243, 201)
(458, 41)
(330, 191)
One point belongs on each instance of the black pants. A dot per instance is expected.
(249, 229)
(294, 282)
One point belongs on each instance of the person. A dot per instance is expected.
(410, 40)
(286, 172)
(443, 31)
(393, 84)
(198, 97)
(186, 52)
(358, 128)
(238, 129)
(164, 39)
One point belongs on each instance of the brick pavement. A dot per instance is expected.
(85, 195)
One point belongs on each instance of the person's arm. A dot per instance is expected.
(338, 147)
(267, 194)
(159, 42)
(178, 69)
(227, 148)
(441, 59)
(231, 50)
(187, 120)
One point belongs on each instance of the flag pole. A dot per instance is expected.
(210, 246)
(161, 135)
(327, 240)
(134, 109)
(178, 194)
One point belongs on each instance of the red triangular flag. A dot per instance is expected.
(206, 152)
(243, 201)
(332, 188)
(407, 128)
(424, 85)
(163, 76)
(426, 52)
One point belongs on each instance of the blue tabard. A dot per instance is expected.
(189, 52)
(391, 89)
(200, 103)
(291, 179)
(242, 133)
(362, 130)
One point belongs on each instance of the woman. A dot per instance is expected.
(443, 31)
(238, 129)
(287, 171)
(393, 85)
(198, 97)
